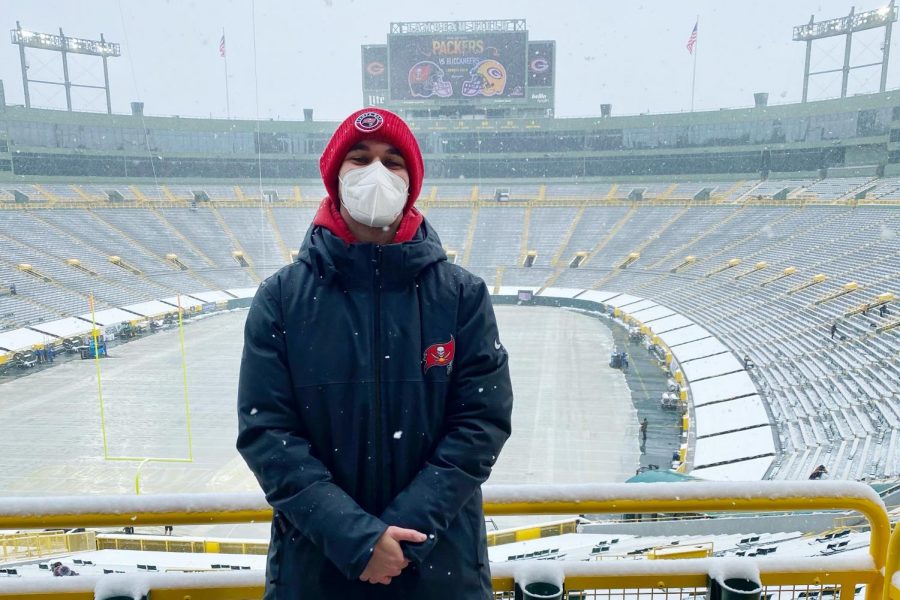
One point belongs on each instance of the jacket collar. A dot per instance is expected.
(354, 264)
(328, 216)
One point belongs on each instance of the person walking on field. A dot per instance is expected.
(374, 394)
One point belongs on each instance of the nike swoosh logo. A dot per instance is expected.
(497, 345)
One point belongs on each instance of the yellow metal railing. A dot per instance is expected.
(687, 578)
(841, 575)
(521, 534)
(19, 546)
(695, 497)
(132, 511)
(193, 545)
(892, 566)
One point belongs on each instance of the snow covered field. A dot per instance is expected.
(573, 419)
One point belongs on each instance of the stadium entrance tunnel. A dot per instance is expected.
(837, 576)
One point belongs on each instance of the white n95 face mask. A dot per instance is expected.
(373, 195)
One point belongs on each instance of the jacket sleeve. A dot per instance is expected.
(272, 440)
(476, 425)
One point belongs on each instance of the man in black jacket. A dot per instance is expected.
(374, 393)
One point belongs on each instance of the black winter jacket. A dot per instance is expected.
(373, 391)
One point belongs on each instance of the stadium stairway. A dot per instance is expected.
(168, 193)
(285, 251)
(44, 310)
(46, 193)
(66, 243)
(470, 232)
(808, 225)
(659, 233)
(648, 238)
(137, 244)
(498, 280)
(139, 194)
(58, 284)
(81, 194)
(526, 227)
(740, 195)
(610, 236)
(567, 236)
(184, 239)
(684, 249)
(867, 186)
(234, 241)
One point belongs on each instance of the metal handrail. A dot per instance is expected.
(132, 511)
(759, 496)
(892, 566)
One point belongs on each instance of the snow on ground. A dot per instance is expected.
(593, 546)
(573, 424)
(573, 419)
(568, 547)
(566, 400)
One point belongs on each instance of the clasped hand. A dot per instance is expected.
(387, 557)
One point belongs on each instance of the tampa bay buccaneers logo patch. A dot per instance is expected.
(368, 121)
(440, 355)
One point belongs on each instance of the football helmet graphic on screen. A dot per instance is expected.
(488, 78)
(426, 79)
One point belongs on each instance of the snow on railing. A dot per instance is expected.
(691, 497)
(132, 585)
(697, 566)
(105, 510)
(892, 566)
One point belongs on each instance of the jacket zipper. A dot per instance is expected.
(379, 444)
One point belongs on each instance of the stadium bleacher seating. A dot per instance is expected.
(770, 188)
(836, 188)
(833, 400)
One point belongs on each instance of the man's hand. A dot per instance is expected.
(387, 557)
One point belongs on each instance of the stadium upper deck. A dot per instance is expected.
(858, 135)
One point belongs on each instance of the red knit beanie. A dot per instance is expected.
(367, 124)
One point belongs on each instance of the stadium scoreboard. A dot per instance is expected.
(460, 64)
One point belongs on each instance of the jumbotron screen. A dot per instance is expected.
(458, 66)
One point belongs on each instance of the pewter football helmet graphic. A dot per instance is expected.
(426, 79)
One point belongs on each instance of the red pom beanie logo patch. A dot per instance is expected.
(368, 122)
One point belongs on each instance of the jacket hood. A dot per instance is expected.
(354, 264)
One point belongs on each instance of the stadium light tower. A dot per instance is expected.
(881, 17)
(65, 46)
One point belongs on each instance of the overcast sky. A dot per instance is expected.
(631, 54)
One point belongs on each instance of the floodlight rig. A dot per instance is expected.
(64, 45)
(881, 17)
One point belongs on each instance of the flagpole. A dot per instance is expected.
(694, 76)
(227, 100)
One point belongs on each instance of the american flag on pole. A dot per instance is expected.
(692, 41)
(222, 45)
